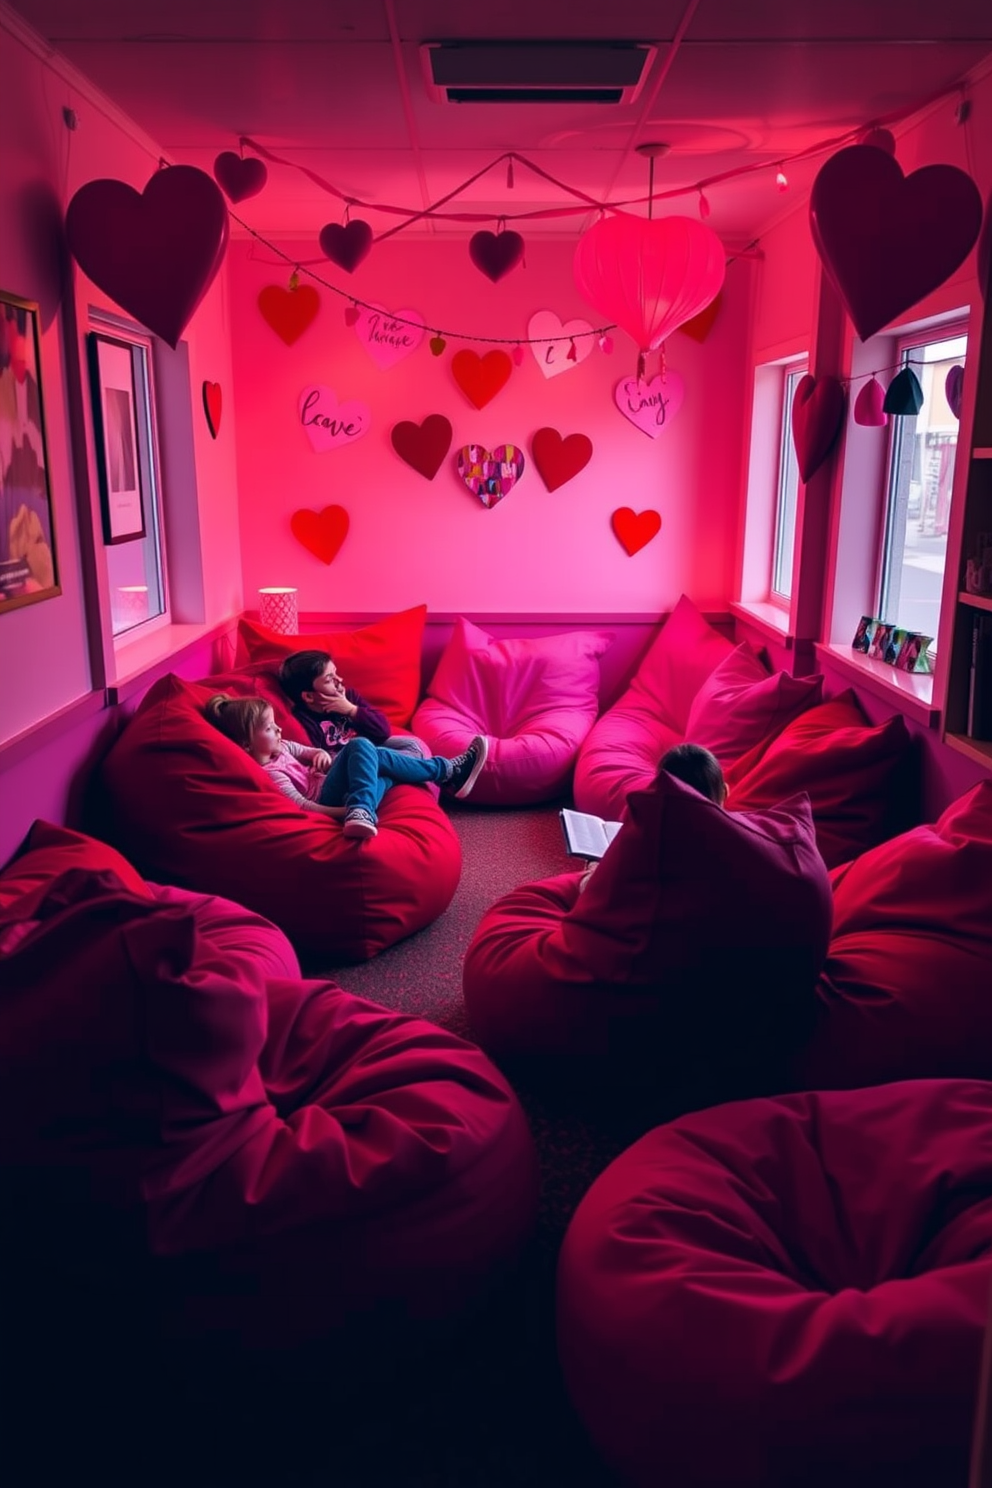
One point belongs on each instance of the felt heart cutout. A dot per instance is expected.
(346, 245)
(495, 254)
(869, 405)
(328, 423)
(389, 335)
(288, 311)
(558, 459)
(321, 533)
(212, 402)
(954, 388)
(634, 530)
(887, 240)
(155, 252)
(556, 355)
(239, 179)
(423, 446)
(817, 417)
(490, 474)
(480, 378)
(904, 397)
(650, 406)
(700, 325)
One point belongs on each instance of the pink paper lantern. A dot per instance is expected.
(649, 277)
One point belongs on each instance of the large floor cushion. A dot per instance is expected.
(787, 1292)
(188, 807)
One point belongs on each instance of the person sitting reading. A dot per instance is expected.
(329, 712)
(350, 784)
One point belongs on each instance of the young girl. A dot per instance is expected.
(352, 783)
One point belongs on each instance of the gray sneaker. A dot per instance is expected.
(359, 823)
(466, 768)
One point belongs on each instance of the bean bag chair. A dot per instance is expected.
(253, 1158)
(787, 1292)
(534, 699)
(190, 808)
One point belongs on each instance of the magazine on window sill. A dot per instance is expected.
(587, 836)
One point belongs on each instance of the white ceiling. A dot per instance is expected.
(337, 86)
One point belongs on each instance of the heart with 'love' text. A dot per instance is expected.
(329, 424)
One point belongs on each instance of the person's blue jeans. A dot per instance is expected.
(362, 773)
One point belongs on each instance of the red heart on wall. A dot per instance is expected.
(635, 530)
(289, 311)
(239, 178)
(700, 325)
(480, 378)
(321, 533)
(212, 401)
(423, 446)
(558, 459)
(817, 417)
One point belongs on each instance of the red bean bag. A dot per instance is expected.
(787, 1292)
(189, 807)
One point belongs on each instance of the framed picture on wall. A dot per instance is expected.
(118, 465)
(28, 567)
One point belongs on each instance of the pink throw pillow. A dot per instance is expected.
(740, 704)
(676, 665)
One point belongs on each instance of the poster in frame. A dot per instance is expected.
(28, 561)
(118, 457)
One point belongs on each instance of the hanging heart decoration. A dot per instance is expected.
(559, 460)
(288, 311)
(239, 179)
(869, 405)
(212, 403)
(321, 533)
(650, 406)
(423, 446)
(481, 378)
(817, 417)
(495, 254)
(954, 389)
(490, 474)
(328, 423)
(881, 139)
(557, 346)
(156, 252)
(885, 239)
(389, 335)
(700, 325)
(346, 245)
(634, 530)
(983, 256)
(904, 398)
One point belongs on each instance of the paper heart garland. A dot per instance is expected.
(817, 417)
(480, 378)
(650, 406)
(423, 446)
(869, 405)
(212, 403)
(239, 179)
(552, 355)
(495, 254)
(559, 460)
(954, 389)
(389, 335)
(155, 252)
(885, 239)
(288, 311)
(346, 245)
(490, 474)
(328, 423)
(321, 533)
(634, 530)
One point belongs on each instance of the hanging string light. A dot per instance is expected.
(781, 180)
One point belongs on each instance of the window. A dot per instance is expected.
(787, 491)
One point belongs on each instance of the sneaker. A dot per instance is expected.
(466, 768)
(359, 823)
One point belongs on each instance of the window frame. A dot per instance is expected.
(793, 371)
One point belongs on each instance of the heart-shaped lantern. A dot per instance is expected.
(346, 245)
(649, 276)
(423, 446)
(954, 389)
(490, 474)
(239, 179)
(495, 254)
(650, 406)
(389, 335)
(155, 252)
(634, 530)
(885, 239)
(212, 404)
(558, 460)
(321, 533)
(480, 378)
(288, 311)
(869, 405)
(558, 346)
(817, 416)
(328, 423)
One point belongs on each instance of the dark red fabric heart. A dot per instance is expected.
(558, 459)
(212, 403)
(495, 254)
(154, 252)
(887, 240)
(423, 446)
(346, 245)
(480, 378)
(239, 178)
(817, 417)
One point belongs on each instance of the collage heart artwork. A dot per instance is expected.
(490, 474)
(650, 406)
(634, 530)
(817, 417)
(423, 446)
(212, 404)
(552, 353)
(321, 533)
(389, 335)
(481, 378)
(559, 460)
(288, 311)
(329, 424)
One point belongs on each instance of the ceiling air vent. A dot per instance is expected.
(535, 71)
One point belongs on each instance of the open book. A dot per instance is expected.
(587, 836)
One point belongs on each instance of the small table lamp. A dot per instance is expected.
(277, 610)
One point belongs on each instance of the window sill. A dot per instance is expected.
(769, 619)
(142, 662)
(910, 692)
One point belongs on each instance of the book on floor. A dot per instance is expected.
(587, 836)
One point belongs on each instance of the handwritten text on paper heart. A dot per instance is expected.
(650, 406)
(328, 423)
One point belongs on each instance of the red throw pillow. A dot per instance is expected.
(740, 705)
(49, 850)
(381, 661)
(679, 660)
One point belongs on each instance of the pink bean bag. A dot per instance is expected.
(787, 1292)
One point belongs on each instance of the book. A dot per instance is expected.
(587, 836)
(979, 722)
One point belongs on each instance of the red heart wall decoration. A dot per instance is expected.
(887, 240)
(817, 417)
(346, 245)
(423, 446)
(288, 311)
(558, 459)
(495, 254)
(155, 252)
(212, 402)
(700, 325)
(480, 378)
(321, 533)
(239, 179)
(634, 530)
